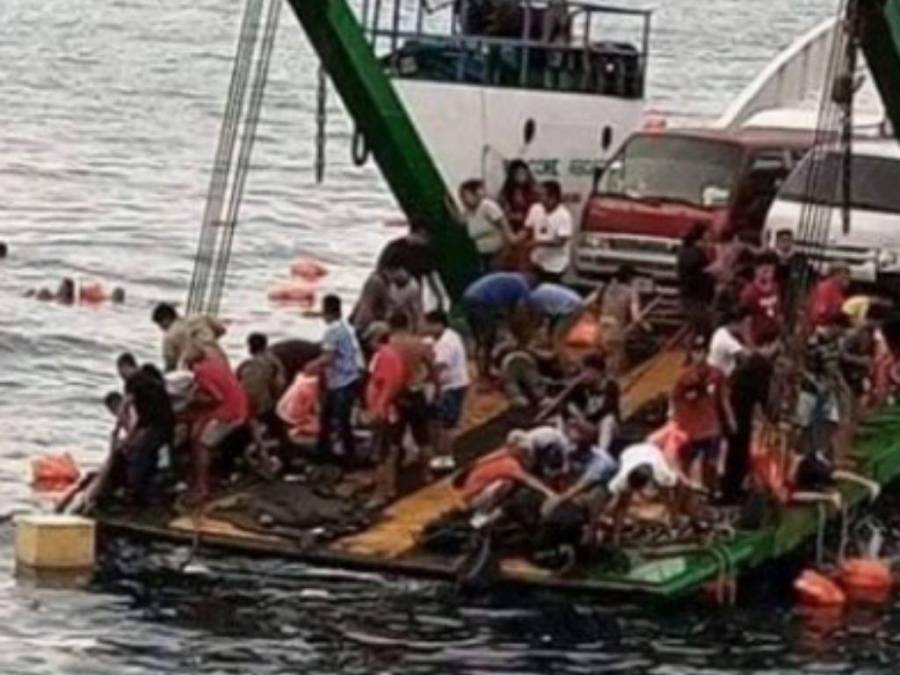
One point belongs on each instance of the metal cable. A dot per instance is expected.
(224, 155)
(242, 168)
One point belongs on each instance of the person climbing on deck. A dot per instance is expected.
(762, 299)
(453, 373)
(340, 365)
(527, 372)
(550, 224)
(556, 309)
(486, 224)
(696, 286)
(218, 409)
(146, 416)
(490, 303)
(182, 333)
(548, 448)
(826, 301)
(293, 355)
(620, 308)
(701, 409)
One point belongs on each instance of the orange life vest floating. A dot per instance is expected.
(308, 269)
(54, 472)
(293, 292)
(816, 590)
(299, 407)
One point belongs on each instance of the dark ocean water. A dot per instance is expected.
(109, 112)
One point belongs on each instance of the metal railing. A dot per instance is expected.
(537, 44)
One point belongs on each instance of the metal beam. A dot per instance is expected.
(389, 132)
(880, 40)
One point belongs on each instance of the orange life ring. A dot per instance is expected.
(816, 590)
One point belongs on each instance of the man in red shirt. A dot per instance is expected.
(762, 299)
(387, 381)
(701, 408)
(826, 302)
(219, 408)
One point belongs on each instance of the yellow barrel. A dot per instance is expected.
(54, 542)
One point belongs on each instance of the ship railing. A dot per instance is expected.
(554, 45)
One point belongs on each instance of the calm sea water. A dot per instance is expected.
(109, 112)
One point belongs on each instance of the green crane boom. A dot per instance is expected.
(880, 41)
(379, 115)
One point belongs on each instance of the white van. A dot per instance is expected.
(871, 246)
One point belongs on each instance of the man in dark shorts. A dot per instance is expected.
(154, 426)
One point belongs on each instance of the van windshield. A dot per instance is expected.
(873, 182)
(699, 171)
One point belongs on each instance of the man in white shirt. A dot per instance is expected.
(453, 375)
(551, 227)
(727, 348)
(485, 222)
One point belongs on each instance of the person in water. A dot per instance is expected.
(70, 293)
(181, 334)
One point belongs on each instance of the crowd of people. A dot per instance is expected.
(392, 378)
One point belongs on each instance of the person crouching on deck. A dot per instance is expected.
(701, 408)
(341, 365)
(146, 416)
(642, 466)
(490, 303)
(218, 409)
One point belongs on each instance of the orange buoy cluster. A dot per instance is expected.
(51, 473)
(857, 580)
(300, 289)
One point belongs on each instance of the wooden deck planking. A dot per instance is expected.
(397, 534)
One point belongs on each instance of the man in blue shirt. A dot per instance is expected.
(559, 309)
(341, 365)
(489, 301)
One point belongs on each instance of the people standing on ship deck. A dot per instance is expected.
(373, 304)
(620, 307)
(341, 366)
(826, 301)
(264, 381)
(519, 193)
(550, 226)
(405, 296)
(762, 299)
(182, 333)
(701, 409)
(696, 285)
(453, 373)
(218, 408)
(486, 224)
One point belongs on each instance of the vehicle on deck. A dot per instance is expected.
(661, 183)
(871, 245)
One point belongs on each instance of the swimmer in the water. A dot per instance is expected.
(67, 293)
